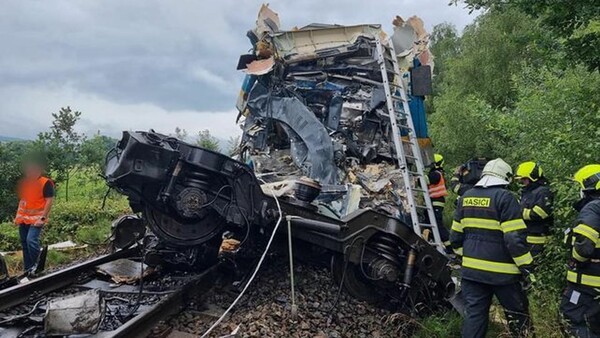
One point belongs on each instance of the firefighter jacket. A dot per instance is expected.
(536, 201)
(437, 187)
(32, 199)
(458, 185)
(584, 271)
(489, 232)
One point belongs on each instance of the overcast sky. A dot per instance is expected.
(140, 64)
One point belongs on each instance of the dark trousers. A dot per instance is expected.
(478, 298)
(30, 241)
(439, 219)
(581, 313)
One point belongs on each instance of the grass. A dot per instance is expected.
(543, 309)
(55, 259)
(80, 219)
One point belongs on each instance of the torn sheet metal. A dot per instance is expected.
(267, 21)
(260, 67)
(124, 270)
(313, 105)
(80, 313)
(312, 41)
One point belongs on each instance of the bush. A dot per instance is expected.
(77, 220)
(9, 237)
(70, 218)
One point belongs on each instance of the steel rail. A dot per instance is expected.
(141, 325)
(22, 293)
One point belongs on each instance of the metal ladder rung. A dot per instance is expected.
(401, 120)
(419, 190)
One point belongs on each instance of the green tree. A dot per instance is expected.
(233, 145)
(207, 141)
(577, 23)
(11, 156)
(492, 50)
(477, 89)
(180, 134)
(62, 145)
(94, 150)
(444, 43)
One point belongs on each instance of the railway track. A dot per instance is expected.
(83, 299)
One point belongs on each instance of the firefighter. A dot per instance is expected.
(465, 176)
(490, 234)
(438, 193)
(536, 201)
(36, 194)
(579, 304)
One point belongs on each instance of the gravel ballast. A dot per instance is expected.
(265, 310)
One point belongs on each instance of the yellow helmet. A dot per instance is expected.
(588, 177)
(530, 170)
(438, 160)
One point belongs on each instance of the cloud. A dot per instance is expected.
(172, 58)
(29, 110)
(212, 79)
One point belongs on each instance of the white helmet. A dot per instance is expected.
(496, 172)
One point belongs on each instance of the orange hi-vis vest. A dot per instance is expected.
(32, 201)
(438, 190)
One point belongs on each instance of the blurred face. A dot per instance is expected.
(32, 170)
(524, 181)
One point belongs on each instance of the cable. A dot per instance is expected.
(262, 258)
(138, 301)
(216, 196)
(337, 297)
(105, 197)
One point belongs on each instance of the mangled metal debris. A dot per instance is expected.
(124, 270)
(80, 313)
(313, 105)
(317, 152)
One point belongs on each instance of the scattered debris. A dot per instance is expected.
(124, 270)
(67, 245)
(312, 104)
(229, 244)
(80, 313)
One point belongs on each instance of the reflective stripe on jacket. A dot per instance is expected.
(489, 232)
(32, 201)
(585, 249)
(437, 190)
(536, 201)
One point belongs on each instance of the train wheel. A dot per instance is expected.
(353, 280)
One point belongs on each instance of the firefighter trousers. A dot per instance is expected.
(439, 219)
(478, 298)
(581, 313)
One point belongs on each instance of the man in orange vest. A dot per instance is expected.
(36, 194)
(438, 193)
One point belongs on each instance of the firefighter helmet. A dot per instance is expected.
(496, 172)
(588, 177)
(438, 160)
(530, 170)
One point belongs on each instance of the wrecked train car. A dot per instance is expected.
(316, 152)
(313, 104)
